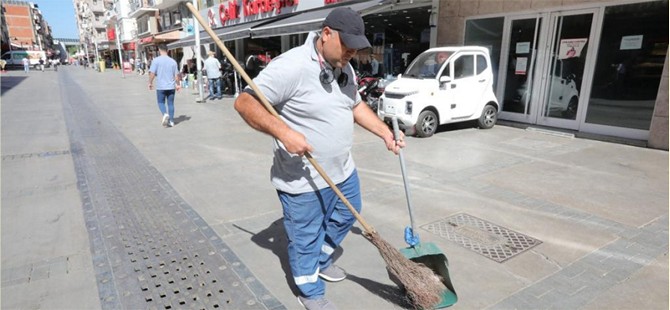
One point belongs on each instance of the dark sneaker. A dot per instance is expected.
(316, 304)
(166, 118)
(332, 273)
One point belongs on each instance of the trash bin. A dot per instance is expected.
(102, 66)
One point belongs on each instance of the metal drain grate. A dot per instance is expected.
(492, 241)
(150, 248)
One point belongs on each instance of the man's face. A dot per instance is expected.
(441, 57)
(334, 50)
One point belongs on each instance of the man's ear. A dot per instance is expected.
(326, 33)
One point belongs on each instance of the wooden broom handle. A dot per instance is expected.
(368, 229)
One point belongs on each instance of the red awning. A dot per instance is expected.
(147, 40)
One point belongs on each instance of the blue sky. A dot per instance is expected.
(60, 16)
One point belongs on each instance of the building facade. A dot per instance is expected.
(90, 17)
(24, 27)
(592, 67)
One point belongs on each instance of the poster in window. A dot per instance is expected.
(522, 47)
(521, 66)
(571, 48)
(631, 42)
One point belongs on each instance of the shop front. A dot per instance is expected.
(593, 68)
(398, 30)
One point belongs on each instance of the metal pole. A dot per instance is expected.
(88, 61)
(197, 55)
(118, 46)
(97, 57)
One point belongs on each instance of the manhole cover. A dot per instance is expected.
(488, 239)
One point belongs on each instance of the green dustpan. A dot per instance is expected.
(425, 253)
(430, 255)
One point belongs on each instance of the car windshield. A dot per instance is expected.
(427, 65)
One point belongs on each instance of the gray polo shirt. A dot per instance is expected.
(321, 112)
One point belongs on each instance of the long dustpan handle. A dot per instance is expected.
(396, 133)
(368, 229)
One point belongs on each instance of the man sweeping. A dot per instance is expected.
(313, 89)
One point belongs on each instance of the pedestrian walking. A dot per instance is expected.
(314, 86)
(42, 64)
(26, 64)
(166, 73)
(213, 69)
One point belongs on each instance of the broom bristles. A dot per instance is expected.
(424, 288)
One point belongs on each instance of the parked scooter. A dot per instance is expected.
(371, 89)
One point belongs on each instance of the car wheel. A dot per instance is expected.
(426, 125)
(488, 118)
(571, 111)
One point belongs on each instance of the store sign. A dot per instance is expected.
(111, 34)
(233, 10)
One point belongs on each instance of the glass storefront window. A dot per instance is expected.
(632, 51)
(486, 32)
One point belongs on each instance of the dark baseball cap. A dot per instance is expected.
(349, 24)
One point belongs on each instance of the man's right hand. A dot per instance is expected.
(295, 142)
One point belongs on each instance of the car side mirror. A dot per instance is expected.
(445, 79)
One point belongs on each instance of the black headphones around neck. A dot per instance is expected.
(327, 74)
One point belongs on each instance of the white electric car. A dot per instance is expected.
(442, 85)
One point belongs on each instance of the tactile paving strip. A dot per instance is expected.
(150, 249)
(490, 240)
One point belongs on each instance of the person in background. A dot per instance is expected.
(213, 70)
(166, 73)
(26, 64)
(314, 89)
(374, 65)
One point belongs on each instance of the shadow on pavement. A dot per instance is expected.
(9, 82)
(387, 292)
(181, 118)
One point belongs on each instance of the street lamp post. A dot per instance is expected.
(198, 56)
(118, 46)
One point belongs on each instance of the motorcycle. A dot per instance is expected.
(371, 89)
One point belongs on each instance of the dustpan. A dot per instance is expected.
(426, 253)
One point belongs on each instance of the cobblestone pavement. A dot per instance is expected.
(103, 208)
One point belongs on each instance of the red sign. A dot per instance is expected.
(111, 34)
(228, 12)
(129, 46)
(253, 7)
(127, 68)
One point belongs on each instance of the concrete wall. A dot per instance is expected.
(658, 133)
(450, 31)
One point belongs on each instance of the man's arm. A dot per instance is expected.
(366, 118)
(177, 80)
(151, 80)
(254, 113)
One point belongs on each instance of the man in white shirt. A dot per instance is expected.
(213, 68)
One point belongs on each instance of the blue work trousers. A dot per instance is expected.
(316, 223)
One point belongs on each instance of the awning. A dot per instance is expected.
(227, 33)
(310, 20)
(168, 36)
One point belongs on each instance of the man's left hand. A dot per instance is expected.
(394, 145)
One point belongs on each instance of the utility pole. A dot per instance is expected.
(118, 46)
(97, 57)
(197, 55)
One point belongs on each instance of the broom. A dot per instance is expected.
(424, 288)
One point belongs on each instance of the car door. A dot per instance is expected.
(465, 87)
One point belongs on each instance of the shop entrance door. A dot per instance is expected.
(519, 73)
(565, 68)
(546, 67)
